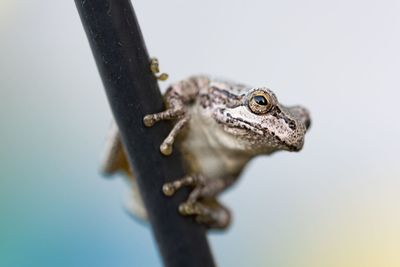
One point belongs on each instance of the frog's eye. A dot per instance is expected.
(260, 102)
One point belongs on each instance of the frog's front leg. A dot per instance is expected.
(202, 201)
(177, 98)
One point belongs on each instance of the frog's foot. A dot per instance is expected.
(155, 69)
(170, 189)
(201, 202)
(208, 212)
(176, 111)
(202, 187)
(172, 113)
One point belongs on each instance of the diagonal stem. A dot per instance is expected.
(121, 57)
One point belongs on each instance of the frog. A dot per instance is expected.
(218, 126)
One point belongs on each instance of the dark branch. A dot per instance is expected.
(118, 47)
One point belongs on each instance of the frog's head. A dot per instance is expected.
(260, 124)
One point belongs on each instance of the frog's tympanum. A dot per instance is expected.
(218, 126)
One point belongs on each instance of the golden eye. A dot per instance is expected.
(260, 103)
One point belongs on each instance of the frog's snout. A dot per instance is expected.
(302, 114)
(300, 124)
(297, 145)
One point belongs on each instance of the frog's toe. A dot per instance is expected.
(166, 146)
(155, 69)
(148, 120)
(189, 208)
(169, 189)
(166, 149)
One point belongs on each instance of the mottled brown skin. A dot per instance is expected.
(219, 127)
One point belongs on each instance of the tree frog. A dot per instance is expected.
(219, 126)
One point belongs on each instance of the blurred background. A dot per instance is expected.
(334, 204)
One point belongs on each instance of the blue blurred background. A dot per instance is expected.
(335, 204)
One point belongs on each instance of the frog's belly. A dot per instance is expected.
(201, 159)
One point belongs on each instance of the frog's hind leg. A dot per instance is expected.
(201, 202)
(134, 204)
(115, 161)
(208, 212)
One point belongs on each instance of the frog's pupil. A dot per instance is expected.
(261, 100)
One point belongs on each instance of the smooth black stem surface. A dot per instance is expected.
(121, 57)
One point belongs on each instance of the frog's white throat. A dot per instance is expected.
(216, 152)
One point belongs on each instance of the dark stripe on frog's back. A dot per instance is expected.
(232, 87)
(217, 95)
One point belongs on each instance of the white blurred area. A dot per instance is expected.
(336, 203)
